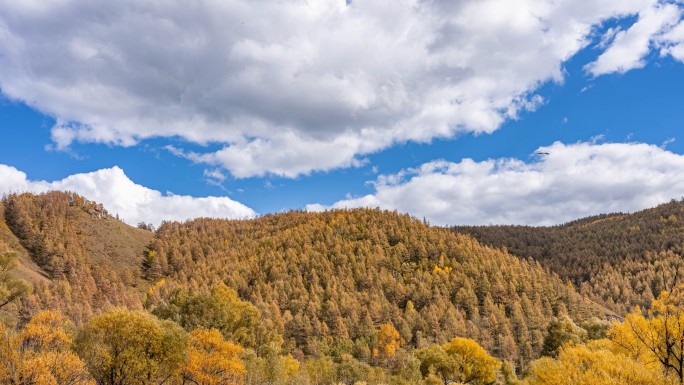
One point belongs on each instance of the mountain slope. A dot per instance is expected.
(329, 279)
(619, 260)
(79, 259)
(324, 281)
(26, 269)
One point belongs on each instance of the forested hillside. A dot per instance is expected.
(345, 296)
(618, 260)
(79, 259)
(335, 276)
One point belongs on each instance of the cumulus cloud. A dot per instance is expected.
(566, 182)
(132, 202)
(628, 48)
(289, 87)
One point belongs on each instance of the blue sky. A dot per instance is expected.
(609, 92)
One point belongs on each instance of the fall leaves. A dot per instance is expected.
(41, 354)
(314, 283)
(212, 360)
(11, 288)
(644, 349)
(122, 347)
(460, 360)
(656, 337)
(119, 347)
(594, 363)
(348, 297)
(338, 276)
(389, 341)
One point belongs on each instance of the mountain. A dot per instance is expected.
(335, 276)
(618, 260)
(344, 296)
(323, 281)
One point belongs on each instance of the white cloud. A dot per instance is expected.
(215, 176)
(672, 42)
(628, 48)
(570, 182)
(132, 202)
(668, 142)
(288, 87)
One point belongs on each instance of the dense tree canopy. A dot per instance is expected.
(618, 260)
(329, 280)
(78, 258)
(346, 296)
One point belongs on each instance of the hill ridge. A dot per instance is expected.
(619, 260)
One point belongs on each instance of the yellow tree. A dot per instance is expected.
(122, 347)
(389, 340)
(41, 354)
(459, 360)
(46, 331)
(474, 363)
(592, 364)
(290, 365)
(658, 336)
(320, 371)
(212, 360)
(55, 367)
(221, 309)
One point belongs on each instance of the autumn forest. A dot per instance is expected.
(354, 297)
